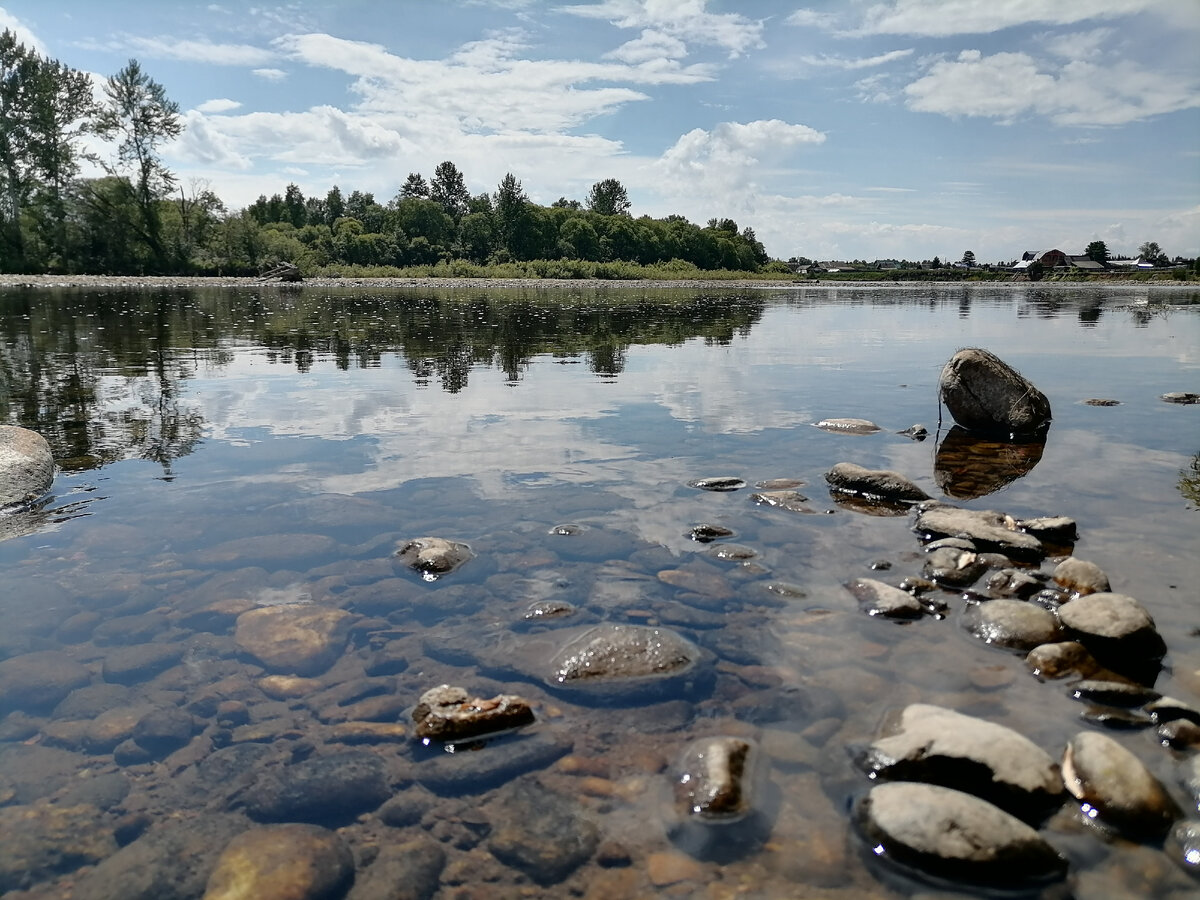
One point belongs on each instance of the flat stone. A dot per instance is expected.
(940, 746)
(1168, 709)
(495, 763)
(793, 501)
(990, 530)
(1184, 397)
(282, 862)
(1012, 624)
(42, 840)
(848, 426)
(446, 713)
(984, 393)
(956, 835)
(1080, 576)
(323, 790)
(294, 640)
(1116, 788)
(1052, 529)
(706, 532)
(544, 834)
(1112, 693)
(1013, 583)
(408, 871)
(882, 484)
(876, 598)
(26, 465)
(619, 653)
(719, 483)
(39, 681)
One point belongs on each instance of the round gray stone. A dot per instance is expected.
(1013, 624)
(26, 465)
(1114, 787)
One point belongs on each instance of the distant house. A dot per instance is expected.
(1049, 259)
(1086, 264)
(834, 265)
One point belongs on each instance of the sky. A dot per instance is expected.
(848, 129)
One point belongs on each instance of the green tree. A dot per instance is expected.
(512, 215)
(141, 118)
(414, 186)
(335, 205)
(1097, 251)
(1151, 252)
(968, 259)
(449, 190)
(608, 198)
(293, 206)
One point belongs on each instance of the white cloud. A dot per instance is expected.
(1007, 85)
(1078, 45)
(24, 34)
(202, 51)
(687, 20)
(732, 153)
(942, 18)
(841, 62)
(652, 45)
(811, 18)
(218, 105)
(269, 74)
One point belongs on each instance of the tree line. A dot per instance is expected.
(137, 218)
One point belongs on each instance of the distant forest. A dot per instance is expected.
(137, 218)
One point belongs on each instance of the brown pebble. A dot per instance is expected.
(668, 867)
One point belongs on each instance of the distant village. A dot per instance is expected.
(1033, 264)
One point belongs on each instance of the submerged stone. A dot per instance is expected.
(434, 557)
(282, 862)
(607, 653)
(294, 639)
(540, 832)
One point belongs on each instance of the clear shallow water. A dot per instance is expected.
(276, 446)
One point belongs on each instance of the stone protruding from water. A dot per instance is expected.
(881, 484)
(988, 529)
(848, 426)
(716, 779)
(26, 465)
(1116, 628)
(434, 557)
(1114, 786)
(447, 713)
(952, 834)
(984, 393)
(877, 598)
(940, 746)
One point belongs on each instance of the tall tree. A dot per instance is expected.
(142, 119)
(414, 186)
(335, 205)
(449, 190)
(512, 215)
(293, 206)
(968, 259)
(609, 198)
(1097, 251)
(1151, 252)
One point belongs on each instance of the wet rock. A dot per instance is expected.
(1114, 627)
(956, 835)
(567, 529)
(324, 790)
(1013, 624)
(26, 465)
(940, 746)
(434, 557)
(446, 713)
(983, 393)
(407, 871)
(793, 501)
(169, 861)
(732, 552)
(916, 432)
(544, 610)
(103, 791)
(390, 659)
(607, 658)
(1184, 397)
(297, 640)
(141, 662)
(848, 426)
(990, 530)
(282, 862)
(717, 779)
(1080, 577)
(366, 733)
(228, 768)
(1116, 788)
(1183, 846)
(124, 630)
(41, 841)
(540, 832)
(1097, 401)
(706, 532)
(779, 484)
(1116, 719)
(1051, 529)
(38, 681)
(163, 730)
(1168, 709)
(1013, 583)
(881, 484)
(130, 753)
(785, 589)
(1112, 693)
(876, 598)
(497, 761)
(1179, 734)
(953, 567)
(1059, 659)
(720, 483)
(288, 687)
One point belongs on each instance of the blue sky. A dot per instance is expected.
(837, 130)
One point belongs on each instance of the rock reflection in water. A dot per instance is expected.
(969, 466)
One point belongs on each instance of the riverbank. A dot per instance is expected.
(185, 281)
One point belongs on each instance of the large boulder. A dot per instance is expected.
(26, 465)
(984, 393)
